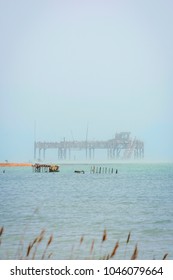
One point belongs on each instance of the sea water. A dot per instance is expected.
(76, 208)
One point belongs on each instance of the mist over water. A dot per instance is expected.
(66, 66)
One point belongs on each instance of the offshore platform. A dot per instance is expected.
(121, 147)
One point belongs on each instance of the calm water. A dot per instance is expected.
(139, 199)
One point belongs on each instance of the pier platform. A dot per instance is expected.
(45, 167)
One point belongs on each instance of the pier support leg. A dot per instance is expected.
(35, 150)
(44, 151)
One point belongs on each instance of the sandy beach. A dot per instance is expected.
(13, 164)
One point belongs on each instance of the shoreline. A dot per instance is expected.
(14, 164)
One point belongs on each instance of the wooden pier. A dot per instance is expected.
(45, 167)
(122, 147)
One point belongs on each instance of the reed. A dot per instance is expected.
(165, 256)
(34, 245)
(1, 232)
(104, 237)
(47, 245)
(128, 238)
(20, 250)
(114, 250)
(135, 253)
(92, 247)
(81, 239)
(37, 242)
(127, 241)
(79, 246)
(31, 251)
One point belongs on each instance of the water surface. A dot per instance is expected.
(139, 199)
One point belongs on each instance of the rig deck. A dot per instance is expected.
(122, 146)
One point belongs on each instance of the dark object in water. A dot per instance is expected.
(45, 167)
(3, 171)
(116, 171)
(79, 171)
(54, 168)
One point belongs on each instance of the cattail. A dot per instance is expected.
(28, 250)
(127, 241)
(81, 239)
(104, 236)
(50, 240)
(114, 250)
(49, 256)
(35, 240)
(135, 253)
(165, 256)
(1, 230)
(48, 243)
(128, 238)
(40, 237)
(92, 246)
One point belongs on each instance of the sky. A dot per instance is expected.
(68, 65)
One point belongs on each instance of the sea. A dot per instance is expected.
(69, 215)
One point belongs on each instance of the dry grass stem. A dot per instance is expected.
(81, 239)
(28, 250)
(31, 250)
(50, 240)
(135, 253)
(104, 236)
(36, 242)
(165, 256)
(49, 256)
(40, 237)
(48, 243)
(114, 250)
(92, 246)
(1, 230)
(128, 238)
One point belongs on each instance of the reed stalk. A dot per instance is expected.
(135, 253)
(127, 241)
(165, 256)
(37, 242)
(31, 250)
(48, 244)
(114, 250)
(92, 248)
(1, 232)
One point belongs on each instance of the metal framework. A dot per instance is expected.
(122, 146)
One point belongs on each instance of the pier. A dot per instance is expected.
(45, 167)
(122, 147)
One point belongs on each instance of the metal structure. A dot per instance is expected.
(122, 146)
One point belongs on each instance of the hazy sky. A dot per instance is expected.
(68, 64)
